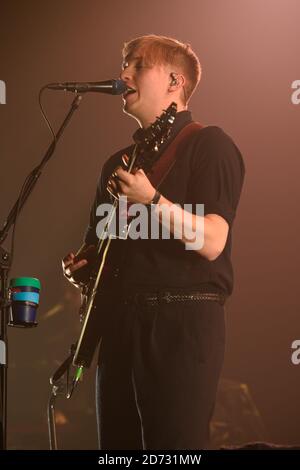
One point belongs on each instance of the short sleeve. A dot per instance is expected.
(217, 173)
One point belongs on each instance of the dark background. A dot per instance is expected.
(249, 51)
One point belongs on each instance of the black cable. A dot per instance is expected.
(45, 117)
(31, 174)
(12, 243)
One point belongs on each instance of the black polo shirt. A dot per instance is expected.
(210, 171)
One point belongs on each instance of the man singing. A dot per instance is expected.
(162, 324)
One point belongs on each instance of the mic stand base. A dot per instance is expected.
(59, 387)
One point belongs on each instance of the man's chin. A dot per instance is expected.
(129, 110)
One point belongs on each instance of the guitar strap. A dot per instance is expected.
(165, 163)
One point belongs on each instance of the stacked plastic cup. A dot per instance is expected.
(25, 296)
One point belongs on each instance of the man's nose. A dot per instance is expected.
(125, 75)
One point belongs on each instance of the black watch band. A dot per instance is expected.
(155, 198)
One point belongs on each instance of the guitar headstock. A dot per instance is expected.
(154, 136)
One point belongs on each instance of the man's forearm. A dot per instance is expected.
(199, 233)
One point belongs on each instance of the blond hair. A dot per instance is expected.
(162, 50)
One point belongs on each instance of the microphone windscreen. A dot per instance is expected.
(119, 87)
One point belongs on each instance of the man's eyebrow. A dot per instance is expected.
(132, 58)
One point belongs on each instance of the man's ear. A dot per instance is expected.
(176, 80)
(173, 80)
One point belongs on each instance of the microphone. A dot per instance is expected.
(110, 87)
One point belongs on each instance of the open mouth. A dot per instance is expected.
(129, 91)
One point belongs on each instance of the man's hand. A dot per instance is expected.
(73, 265)
(135, 186)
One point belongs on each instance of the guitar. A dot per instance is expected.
(144, 156)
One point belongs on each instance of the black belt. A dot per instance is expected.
(168, 297)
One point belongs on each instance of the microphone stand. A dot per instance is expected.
(5, 266)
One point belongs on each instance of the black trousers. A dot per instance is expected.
(158, 371)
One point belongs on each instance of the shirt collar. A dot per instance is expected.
(182, 118)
